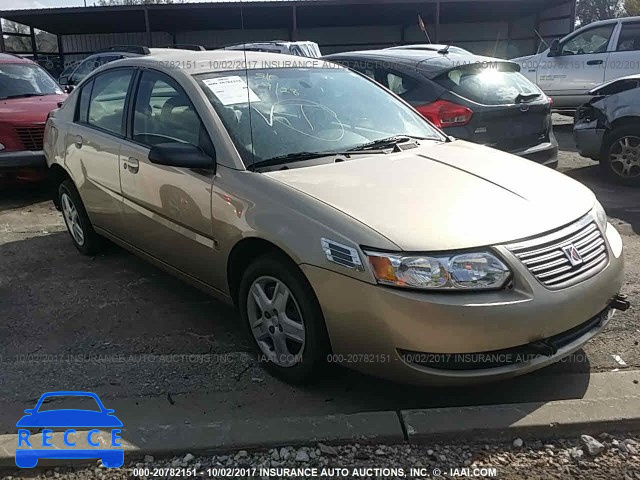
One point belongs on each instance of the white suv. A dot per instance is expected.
(581, 61)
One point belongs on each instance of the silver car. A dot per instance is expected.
(342, 224)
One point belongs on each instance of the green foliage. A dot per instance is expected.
(588, 11)
(632, 7)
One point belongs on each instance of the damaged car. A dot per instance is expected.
(607, 129)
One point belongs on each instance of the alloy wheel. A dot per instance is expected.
(276, 321)
(72, 219)
(625, 157)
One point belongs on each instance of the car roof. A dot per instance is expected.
(198, 62)
(10, 58)
(431, 62)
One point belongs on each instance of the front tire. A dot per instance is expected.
(621, 155)
(284, 320)
(76, 219)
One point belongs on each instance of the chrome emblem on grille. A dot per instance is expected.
(573, 255)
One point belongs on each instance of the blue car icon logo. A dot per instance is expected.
(29, 451)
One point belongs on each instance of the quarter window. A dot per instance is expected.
(164, 113)
(594, 40)
(629, 37)
(398, 84)
(106, 108)
(83, 103)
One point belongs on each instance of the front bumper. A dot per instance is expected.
(588, 138)
(370, 327)
(22, 159)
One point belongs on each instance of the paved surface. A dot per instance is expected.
(123, 329)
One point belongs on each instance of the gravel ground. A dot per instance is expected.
(606, 457)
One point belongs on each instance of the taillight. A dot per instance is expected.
(550, 102)
(443, 114)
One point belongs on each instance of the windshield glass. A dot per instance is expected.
(25, 79)
(296, 110)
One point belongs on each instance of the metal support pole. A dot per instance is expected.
(60, 52)
(147, 26)
(438, 22)
(294, 23)
(2, 47)
(34, 46)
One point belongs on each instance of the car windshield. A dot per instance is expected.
(296, 110)
(25, 80)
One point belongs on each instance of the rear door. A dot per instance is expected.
(509, 112)
(625, 60)
(93, 146)
(167, 210)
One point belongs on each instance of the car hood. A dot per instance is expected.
(445, 196)
(69, 418)
(29, 109)
(525, 58)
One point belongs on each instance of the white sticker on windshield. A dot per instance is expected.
(231, 90)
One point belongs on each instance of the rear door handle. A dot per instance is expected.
(78, 141)
(595, 62)
(132, 165)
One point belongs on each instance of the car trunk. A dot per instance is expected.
(504, 110)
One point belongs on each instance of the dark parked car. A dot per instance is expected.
(89, 64)
(607, 129)
(480, 99)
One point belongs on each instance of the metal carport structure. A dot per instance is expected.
(496, 27)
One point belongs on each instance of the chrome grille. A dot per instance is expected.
(546, 259)
(31, 136)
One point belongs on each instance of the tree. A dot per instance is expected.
(107, 3)
(588, 11)
(632, 7)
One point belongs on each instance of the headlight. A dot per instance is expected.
(600, 215)
(1, 147)
(464, 271)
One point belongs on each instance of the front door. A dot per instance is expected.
(93, 146)
(167, 210)
(579, 67)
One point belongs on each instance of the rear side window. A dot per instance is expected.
(629, 37)
(106, 107)
(488, 86)
(82, 115)
(398, 84)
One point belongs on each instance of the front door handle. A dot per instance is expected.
(132, 165)
(595, 62)
(78, 141)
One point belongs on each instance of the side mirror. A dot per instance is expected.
(554, 49)
(63, 80)
(181, 155)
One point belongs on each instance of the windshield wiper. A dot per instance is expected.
(25, 95)
(524, 98)
(300, 156)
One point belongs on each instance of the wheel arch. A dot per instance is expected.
(624, 122)
(57, 175)
(241, 255)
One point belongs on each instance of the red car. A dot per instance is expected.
(27, 95)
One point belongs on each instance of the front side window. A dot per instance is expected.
(594, 40)
(163, 113)
(285, 111)
(25, 80)
(106, 107)
(629, 37)
(488, 85)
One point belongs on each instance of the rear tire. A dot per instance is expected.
(620, 157)
(77, 221)
(285, 324)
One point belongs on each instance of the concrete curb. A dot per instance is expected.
(497, 422)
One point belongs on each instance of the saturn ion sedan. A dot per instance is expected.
(343, 225)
